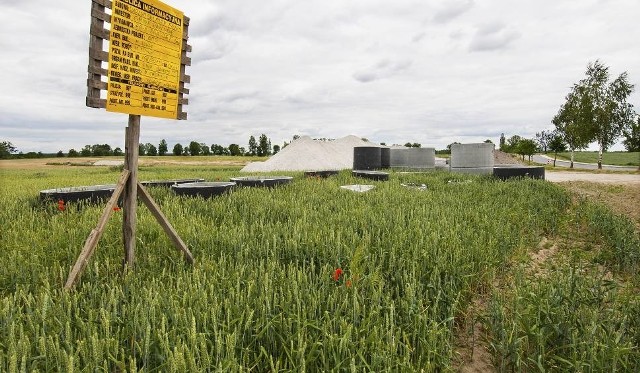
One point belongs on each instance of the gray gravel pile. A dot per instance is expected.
(306, 154)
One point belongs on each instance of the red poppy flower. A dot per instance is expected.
(116, 208)
(336, 274)
(348, 283)
(61, 205)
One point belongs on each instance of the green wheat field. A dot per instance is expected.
(265, 295)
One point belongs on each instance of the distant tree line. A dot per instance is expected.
(261, 147)
(517, 144)
(7, 150)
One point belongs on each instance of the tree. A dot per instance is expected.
(177, 149)
(449, 147)
(511, 145)
(32, 155)
(151, 149)
(632, 139)
(602, 105)
(60, 154)
(162, 147)
(86, 151)
(205, 149)
(234, 149)
(543, 138)
(253, 146)
(503, 141)
(276, 149)
(101, 150)
(142, 149)
(7, 149)
(195, 148)
(73, 153)
(526, 147)
(219, 149)
(556, 144)
(264, 146)
(117, 151)
(568, 124)
(488, 141)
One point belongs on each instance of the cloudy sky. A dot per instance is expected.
(427, 71)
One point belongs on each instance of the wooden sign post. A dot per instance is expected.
(130, 203)
(145, 76)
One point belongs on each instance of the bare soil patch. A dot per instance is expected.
(231, 162)
(472, 350)
(622, 198)
(500, 157)
(143, 161)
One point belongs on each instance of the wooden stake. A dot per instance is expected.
(132, 141)
(164, 223)
(127, 186)
(92, 241)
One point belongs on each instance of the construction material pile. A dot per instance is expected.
(305, 154)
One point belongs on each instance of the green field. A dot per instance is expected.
(611, 158)
(262, 295)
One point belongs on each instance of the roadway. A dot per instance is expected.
(543, 159)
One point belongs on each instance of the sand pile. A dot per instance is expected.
(500, 157)
(306, 154)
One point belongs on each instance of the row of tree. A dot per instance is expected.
(596, 110)
(260, 147)
(518, 145)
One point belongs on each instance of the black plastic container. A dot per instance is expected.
(385, 157)
(91, 194)
(371, 175)
(261, 181)
(322, 174)
(367, 158)
(507, 172)
(202, 189)
(168, 183)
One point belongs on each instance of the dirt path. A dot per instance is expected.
(622, 198)
(609, 178)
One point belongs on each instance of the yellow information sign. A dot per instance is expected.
(144, 58)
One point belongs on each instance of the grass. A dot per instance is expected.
(610, 158)
(580, 312)
(262, 295)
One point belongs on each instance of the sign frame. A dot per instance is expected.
(98, 55)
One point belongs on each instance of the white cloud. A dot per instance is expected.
(451, 9)
(430, 71)
(493, 36)
(384, 68)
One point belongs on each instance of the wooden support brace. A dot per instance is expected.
(164, 223)
(92, 241)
